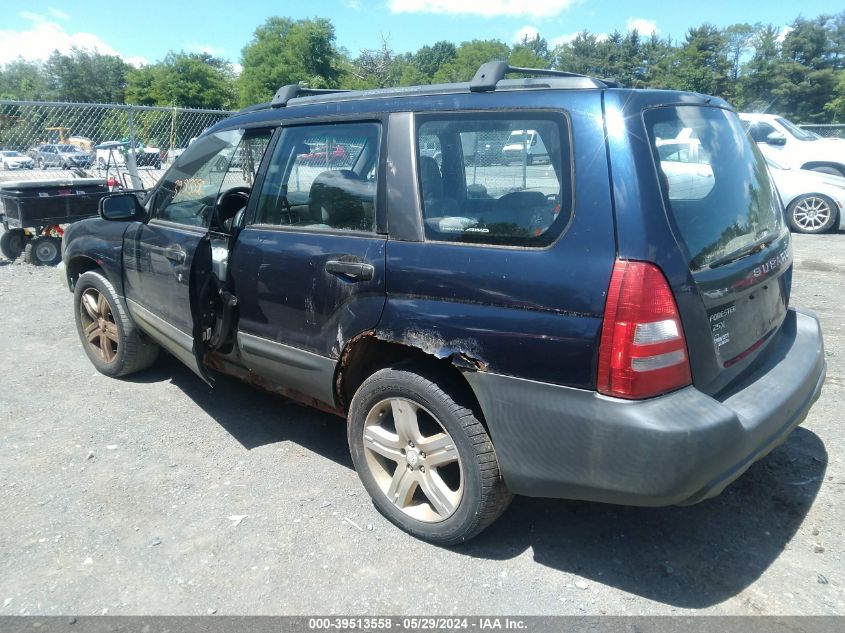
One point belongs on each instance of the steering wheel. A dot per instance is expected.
(229, 203)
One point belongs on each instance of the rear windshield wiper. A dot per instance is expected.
(749, 249)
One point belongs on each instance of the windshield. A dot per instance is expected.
(67, 148)
(10, 153)
(720, 194)
(797, 132)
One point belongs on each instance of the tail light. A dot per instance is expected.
(643, 352)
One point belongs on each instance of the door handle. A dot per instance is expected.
(355, 271)
(176, 255)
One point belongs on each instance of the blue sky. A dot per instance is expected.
(146, 30)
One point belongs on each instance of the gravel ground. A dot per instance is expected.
(157, 495)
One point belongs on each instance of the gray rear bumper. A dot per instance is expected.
(686, 446)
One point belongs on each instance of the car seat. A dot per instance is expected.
(336, 200)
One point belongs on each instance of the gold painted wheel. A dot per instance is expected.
(99, 328)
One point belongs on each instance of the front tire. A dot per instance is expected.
(425, 459)
(112, 342)
(811, 213)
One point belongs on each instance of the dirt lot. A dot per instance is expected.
(156, 495)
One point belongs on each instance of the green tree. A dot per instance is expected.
(659, 60)
(429, 59)
(284, 51)
(758, 79)
(468, 57)
(805, 77)
(23, 80)
(140, 84)
(581, 55)
(413, 76)
(835, 107)
(702, 65)
(531, 53)
(738, 40)
(194, 80)
(86, 76)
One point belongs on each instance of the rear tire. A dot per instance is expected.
(461, 492)
(111, 340)
(12, 244)
(811, 213)
(44, 251)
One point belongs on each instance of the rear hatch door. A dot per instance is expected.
(727, 218)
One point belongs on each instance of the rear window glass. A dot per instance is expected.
(494, 178)
(715, 184)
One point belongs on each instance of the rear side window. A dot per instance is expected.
(494, 178)
(715, 184)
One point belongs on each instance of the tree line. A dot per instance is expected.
(798, 72)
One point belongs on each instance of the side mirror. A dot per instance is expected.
(776, 138)
(122, 207)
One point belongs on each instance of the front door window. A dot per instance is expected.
(211, 166)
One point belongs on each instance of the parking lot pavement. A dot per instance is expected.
(157, 495)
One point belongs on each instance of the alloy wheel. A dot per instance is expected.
(812, 213)
(99, 328)
(413, 459)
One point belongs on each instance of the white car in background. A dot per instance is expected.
(113, 154)
(790, 146)
(10, 159)
(813, 201)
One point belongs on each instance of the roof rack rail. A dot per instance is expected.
(291, 91)
(491, 73)
(255, 108)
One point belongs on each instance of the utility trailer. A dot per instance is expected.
(33, 213)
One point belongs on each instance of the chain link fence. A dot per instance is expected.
(40, 140)
(832, 130)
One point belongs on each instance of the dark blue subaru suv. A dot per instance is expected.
(549, 286)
